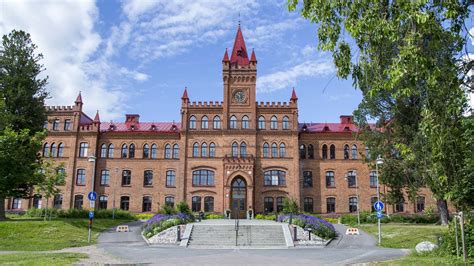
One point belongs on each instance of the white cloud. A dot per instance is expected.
(134, 74)
(471, 33)
(288, 78)
(268, 32)
(309, 50)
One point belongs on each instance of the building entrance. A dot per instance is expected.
(238, 200)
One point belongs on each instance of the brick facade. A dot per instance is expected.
(264, 146)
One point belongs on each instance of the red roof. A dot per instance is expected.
(328, 127)
(79, 98)
(253, 58)
(293, 95)
(140, 127)
(226, 56)
(239, 52)
(85, 120)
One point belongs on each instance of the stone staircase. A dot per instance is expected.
(223, 236)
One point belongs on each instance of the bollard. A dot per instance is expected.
(179, 233)
(309, 232)
(295, 233)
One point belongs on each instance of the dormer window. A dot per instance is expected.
(347, 129)
(174, 128)
(112, 127)
(132, 127)
(153, 127)
(326, 128)
(305, 128)
(239, 52)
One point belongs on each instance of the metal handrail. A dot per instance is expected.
(236, 230)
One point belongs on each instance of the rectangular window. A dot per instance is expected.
(78, 201)
(58, 201)
(81, 177)
(351, 179)
(16, 204)
(170, 178)
(169, 201)
(330, 181)
(308, 205)
(373, 179)
(103, 202)
(67, 125)
(104, 177)
(274, 178)
(280, 204)
(399, 207)
(203, 178)
(196, 204)
(420, 204)
(124, 203)
(268, 204)
(353, 204)
(126, 177)
(146, 206)
(209, 204)
(148, 178)
(307, 179)
(83, 149)
(331, 205)
(56, 125)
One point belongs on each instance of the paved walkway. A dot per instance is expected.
(131, 248)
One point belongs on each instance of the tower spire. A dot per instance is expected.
(79, 98)
(294, 98)
(97, 118)
(239, 54)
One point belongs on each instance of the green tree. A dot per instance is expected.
(53, 175)
(19, 161)
(290, 206)
(21, 89)
(407, 61)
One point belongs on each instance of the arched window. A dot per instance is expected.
(203, 149)
(146, 151)
(354, 152)
(274, 150)
(331, 205)
(131, 152)
(353, 204)
(235, 149)
(175, 151)
(192, 122)
(81, 177)
(273, 122)
(286, 122)
(53, 150)
(153, 151)
(266, 150)
(332, 152)
(46, 150)
(60, 149)
(330, 181)
(351, 178)
(111, 151)
(58, 201)
(420, 204)
(324, 152)
(104, 177)
(204, 122)
(208, 204)
(78, 201)
(243, 149)
(245, 122)
(148, 178)
(307, 179)
(346, 152)
(212, 150)
(124, 151)
(203, 178)
(233, 122)
(282, 150)
(310, 151)
(261, 122)
(268, 204)
(302, 151)
(274, 178)
(279, 204)
(103, 202)
(167, 151)
(124, 203)
(195, 149)
(196, 204)
(217, 122)
(103, 151)
(83, 149)
(169, 201)
(170, 178)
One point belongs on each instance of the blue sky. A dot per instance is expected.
(136, 56)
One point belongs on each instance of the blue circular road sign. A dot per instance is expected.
(91, 214)
(378, 206)
(92, 196)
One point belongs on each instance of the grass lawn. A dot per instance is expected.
(428, 260)
(37, 235)
(41, 259)
(405, 235)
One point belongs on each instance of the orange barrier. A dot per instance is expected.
(352, 231)
(122, 228)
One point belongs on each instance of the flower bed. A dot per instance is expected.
(161, 222)
(318, 226)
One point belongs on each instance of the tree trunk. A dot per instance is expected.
(2, 209)
(46, 209)
(443, 211)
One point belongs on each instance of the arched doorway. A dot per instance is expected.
(238, 201)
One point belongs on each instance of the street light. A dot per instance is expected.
(378, 162)
(91, 159)
(357, 193)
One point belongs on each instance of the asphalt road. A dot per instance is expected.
(131, 248)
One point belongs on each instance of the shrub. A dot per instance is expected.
(162, 222)
(214, 216)
(144, 216)
(167, 209)
(265, 217)
(80, 213)
(183, 207)
(319, 226)
(448, 245)
(290, 206)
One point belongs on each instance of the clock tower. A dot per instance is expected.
(239, 75)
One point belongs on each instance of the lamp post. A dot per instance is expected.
(92, 159)
(354, 174)
(377, 162)
(113, 200)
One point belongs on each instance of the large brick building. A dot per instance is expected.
(235, 154)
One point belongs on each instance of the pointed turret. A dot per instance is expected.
(294, 98)
(96, 118)
(185, 94)
(253, 58)
(78, 99)
(226, 56)
(239, 54)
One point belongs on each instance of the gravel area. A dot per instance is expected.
(303, 238)
(168, 236)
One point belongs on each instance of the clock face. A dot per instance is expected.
(239, 96)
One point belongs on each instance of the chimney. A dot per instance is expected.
(346, 119)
